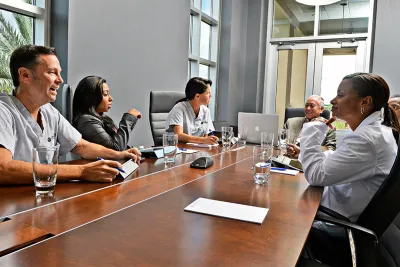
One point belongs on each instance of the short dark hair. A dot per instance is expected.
(87, 97)
(395, 96)
(195, 86)
(27, 56)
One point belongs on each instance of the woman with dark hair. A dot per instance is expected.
(91, 100)
(190, 118)
(353, 173)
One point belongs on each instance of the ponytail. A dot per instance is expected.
(390, 118)
(181, 100)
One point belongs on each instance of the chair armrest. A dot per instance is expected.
(346, 224)
(333, 213)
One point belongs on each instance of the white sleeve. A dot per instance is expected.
(68, 137)
(353, 160)
(175, 117)
(7, 130)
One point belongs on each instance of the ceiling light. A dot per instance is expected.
(317, 2)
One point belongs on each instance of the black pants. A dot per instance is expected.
(333, 250)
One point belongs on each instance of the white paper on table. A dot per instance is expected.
(128, 168)
(287, 171)
(189, 151)
(228, 210)
(203, 145)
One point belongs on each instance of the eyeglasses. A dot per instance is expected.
(395, 107)
(310, 105)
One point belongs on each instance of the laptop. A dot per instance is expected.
(257, 123)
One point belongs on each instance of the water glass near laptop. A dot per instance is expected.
(45, 162)
(226, 135)
(170, 142)
(242, 135)
(261, 163)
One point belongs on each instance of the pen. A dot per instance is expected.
(278, 169)
(118, 168)
(211, 132)
(182, 149)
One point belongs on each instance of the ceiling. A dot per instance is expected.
(354, 16)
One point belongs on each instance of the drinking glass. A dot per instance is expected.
(227, 134)
(267, 139)
(242, 135)
(170, 142)
(282, 136)
(45, 162)
(261, 164)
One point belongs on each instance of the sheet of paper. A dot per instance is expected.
(228, 210)
(189, 151)
(287, 171)
(203, 145)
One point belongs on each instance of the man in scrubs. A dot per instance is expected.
(28, 120)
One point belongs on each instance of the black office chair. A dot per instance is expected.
(161, 103)
(63, 102)
(376, 233)
(299, 112)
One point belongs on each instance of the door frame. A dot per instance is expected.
(314, 66)
(272, 76)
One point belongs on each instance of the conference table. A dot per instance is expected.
(141, 221)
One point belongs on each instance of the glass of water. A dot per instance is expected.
(170, 142)
(282, 136)
(45, 162)
(226, 135)
(261, 164)
(267, 139)
(242, 135)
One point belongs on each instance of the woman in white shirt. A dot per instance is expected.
(190, 118)
(362, 160)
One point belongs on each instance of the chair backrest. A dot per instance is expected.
(299, 112)
(63, 102)
(381, 216)
(161, 103)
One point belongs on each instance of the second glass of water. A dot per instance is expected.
(242, 135)
(170, 142)
(227, 134)
(261, 164)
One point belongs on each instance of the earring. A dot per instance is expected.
(362, 110)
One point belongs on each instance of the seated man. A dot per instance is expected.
(28, 120)
(312, 109)
(394, 102)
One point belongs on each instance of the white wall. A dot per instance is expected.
(387, 43)
(138, 46)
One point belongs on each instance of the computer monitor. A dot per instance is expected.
(257, 123)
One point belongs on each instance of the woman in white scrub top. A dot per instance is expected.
(190, 118)
(353, 173)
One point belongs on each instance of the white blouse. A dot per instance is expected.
(354, 172)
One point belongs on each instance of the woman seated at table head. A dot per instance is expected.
(362, 160)
(92, 99)
(190, 118)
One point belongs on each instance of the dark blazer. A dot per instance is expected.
(95, 131)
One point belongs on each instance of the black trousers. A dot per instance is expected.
(333, 250)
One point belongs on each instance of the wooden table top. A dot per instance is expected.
(16, 199)
(142, 222)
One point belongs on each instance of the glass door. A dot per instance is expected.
(297, 71)
(294, 74)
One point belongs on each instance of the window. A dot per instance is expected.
(203, 43)
(21, 22)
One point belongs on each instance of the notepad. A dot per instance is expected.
(128, 167)
(203, 145)
(189, 151)
(287, 171)
(228, 210)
